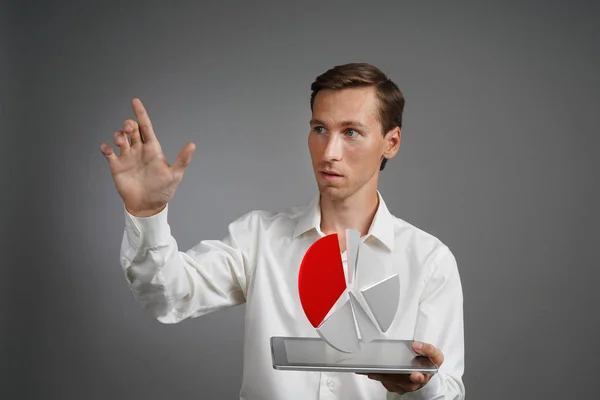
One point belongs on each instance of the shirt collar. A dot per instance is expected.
(310, 218)
(382, 227)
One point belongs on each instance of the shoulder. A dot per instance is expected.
(426, 248)
(267, 220)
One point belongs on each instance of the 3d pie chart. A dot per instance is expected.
(345, 303)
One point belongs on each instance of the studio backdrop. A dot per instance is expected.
(498, 160)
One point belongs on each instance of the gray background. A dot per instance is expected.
(497, 160)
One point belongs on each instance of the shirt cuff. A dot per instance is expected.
(147, 232)
(429, 391)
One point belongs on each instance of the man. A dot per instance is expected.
(355, 128)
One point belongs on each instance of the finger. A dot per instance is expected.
(397, 383)
(429, 350)
(133, 131)
(144, 120)
(417, 377)
(393, 388)
(401, 387)
(131, 128)
(398, 387)
(183, 159)
(108, 153)
(121, 141)
(397, 379)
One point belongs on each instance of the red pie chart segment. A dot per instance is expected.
(321, 279)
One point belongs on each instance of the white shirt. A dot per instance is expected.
(258, 263)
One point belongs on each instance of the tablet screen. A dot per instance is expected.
(378, 354)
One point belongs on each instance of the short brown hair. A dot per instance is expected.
(391, 99)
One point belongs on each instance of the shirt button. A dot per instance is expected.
(329, 383)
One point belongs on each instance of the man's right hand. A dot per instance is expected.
(143, 177)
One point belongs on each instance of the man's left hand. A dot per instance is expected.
(403, 383)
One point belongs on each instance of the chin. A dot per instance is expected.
(333, 193)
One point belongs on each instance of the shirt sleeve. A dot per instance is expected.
(173, 285)
(440, 323)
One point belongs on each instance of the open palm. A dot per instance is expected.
(143, 177)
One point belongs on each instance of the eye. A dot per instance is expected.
(351, 133)
(319, 129)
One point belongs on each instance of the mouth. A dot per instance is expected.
(330, 175)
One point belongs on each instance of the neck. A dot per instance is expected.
(355, 212)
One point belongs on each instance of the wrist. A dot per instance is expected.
(145, 213)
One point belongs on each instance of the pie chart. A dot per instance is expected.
(347, 305)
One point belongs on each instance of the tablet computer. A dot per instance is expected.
(380, 356)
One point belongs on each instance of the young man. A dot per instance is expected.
(355, 128)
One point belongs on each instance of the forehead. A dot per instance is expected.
(359, 104)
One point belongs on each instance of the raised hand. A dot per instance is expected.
(143, 177)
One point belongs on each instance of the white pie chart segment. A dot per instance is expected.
(382, 299)
(339, 329)
(369, 268)
(366, 327)
(352, 246)
(338, 304)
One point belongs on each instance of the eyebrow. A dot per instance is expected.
(343, 123)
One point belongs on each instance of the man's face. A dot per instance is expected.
(346, 142)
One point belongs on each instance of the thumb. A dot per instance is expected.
(183, 159)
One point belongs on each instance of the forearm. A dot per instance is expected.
(174, 285)
(441, 386)
(156, 278)
(440, 323)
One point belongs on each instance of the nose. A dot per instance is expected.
(333, 148)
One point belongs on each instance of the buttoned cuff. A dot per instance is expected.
(147, 232)
(429, 391)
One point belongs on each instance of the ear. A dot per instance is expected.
(392, 142)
